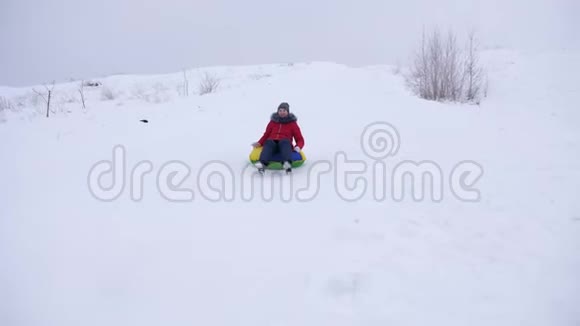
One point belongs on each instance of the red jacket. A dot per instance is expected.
(283, 128)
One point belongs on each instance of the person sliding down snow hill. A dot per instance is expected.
(278, 138)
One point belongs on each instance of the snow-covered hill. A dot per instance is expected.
(493, 241)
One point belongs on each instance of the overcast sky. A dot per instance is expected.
(42, 40)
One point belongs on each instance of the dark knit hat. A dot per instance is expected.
(284, 105)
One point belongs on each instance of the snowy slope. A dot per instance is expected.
(510, 258)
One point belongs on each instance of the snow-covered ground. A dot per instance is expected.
(498, 247)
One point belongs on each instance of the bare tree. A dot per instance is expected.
(442, 72)
(46, 98)
(82, 93)
(208, 84)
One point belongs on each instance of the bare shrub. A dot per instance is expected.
(208, 84)
(442, 71)
(5, 104)
(22, 101)
(29, 100)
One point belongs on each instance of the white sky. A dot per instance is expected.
(44, 40)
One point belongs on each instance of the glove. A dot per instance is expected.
(297, 149)
(256, 145)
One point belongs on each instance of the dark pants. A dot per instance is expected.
(271, 147)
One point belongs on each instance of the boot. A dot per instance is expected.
(261, 168)
(287, 166)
